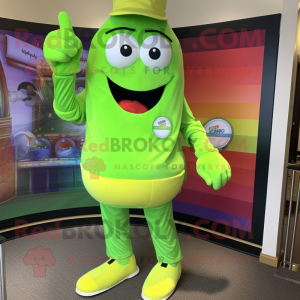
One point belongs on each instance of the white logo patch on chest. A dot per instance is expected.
(162, 127)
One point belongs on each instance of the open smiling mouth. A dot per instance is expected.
(133, 101)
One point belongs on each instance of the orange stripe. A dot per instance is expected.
(223, 94)
(248, 111)
(231, 190)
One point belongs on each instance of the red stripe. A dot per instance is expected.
(230, 190)
(244, 160)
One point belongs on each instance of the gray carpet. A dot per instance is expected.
(209, 271)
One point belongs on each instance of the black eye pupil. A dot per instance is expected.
(126, 50)
(154, 53)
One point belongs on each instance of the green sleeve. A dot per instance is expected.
(194, 134)
(67, 105)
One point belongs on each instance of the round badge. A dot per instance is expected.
(162, 127)
(219, 133)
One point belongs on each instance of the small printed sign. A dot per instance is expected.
(23, 52)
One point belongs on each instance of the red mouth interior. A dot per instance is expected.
(134, 107)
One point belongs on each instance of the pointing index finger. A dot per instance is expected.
(64, 21)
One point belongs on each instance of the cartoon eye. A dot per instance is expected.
(156, 52)
(122, 50)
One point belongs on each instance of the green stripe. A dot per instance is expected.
(161, 128)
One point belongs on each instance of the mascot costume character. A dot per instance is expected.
(134, 108)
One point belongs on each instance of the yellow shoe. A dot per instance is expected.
(161, 282)
(105, 277)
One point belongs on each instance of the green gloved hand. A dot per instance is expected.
(62, 48)
(214, 169)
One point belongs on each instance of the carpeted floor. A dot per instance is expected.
(209, 271)
(47, 267)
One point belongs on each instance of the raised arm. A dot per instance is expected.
(63, 50)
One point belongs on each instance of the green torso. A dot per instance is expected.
(127, 142)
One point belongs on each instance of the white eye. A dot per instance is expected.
(122, 50)
(156, 52)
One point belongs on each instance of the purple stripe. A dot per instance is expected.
(213, 215)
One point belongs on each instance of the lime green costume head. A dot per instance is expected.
(139, 54)
(137, 51)
(137, 60)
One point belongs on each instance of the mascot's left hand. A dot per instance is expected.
(214, 169)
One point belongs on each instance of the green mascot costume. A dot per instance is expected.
(134, 108)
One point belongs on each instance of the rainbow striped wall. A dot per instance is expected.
(224, 83)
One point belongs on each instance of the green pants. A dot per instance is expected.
(162, 229)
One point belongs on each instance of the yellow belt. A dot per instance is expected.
(132, 193)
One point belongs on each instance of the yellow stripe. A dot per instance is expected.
(240, 127)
